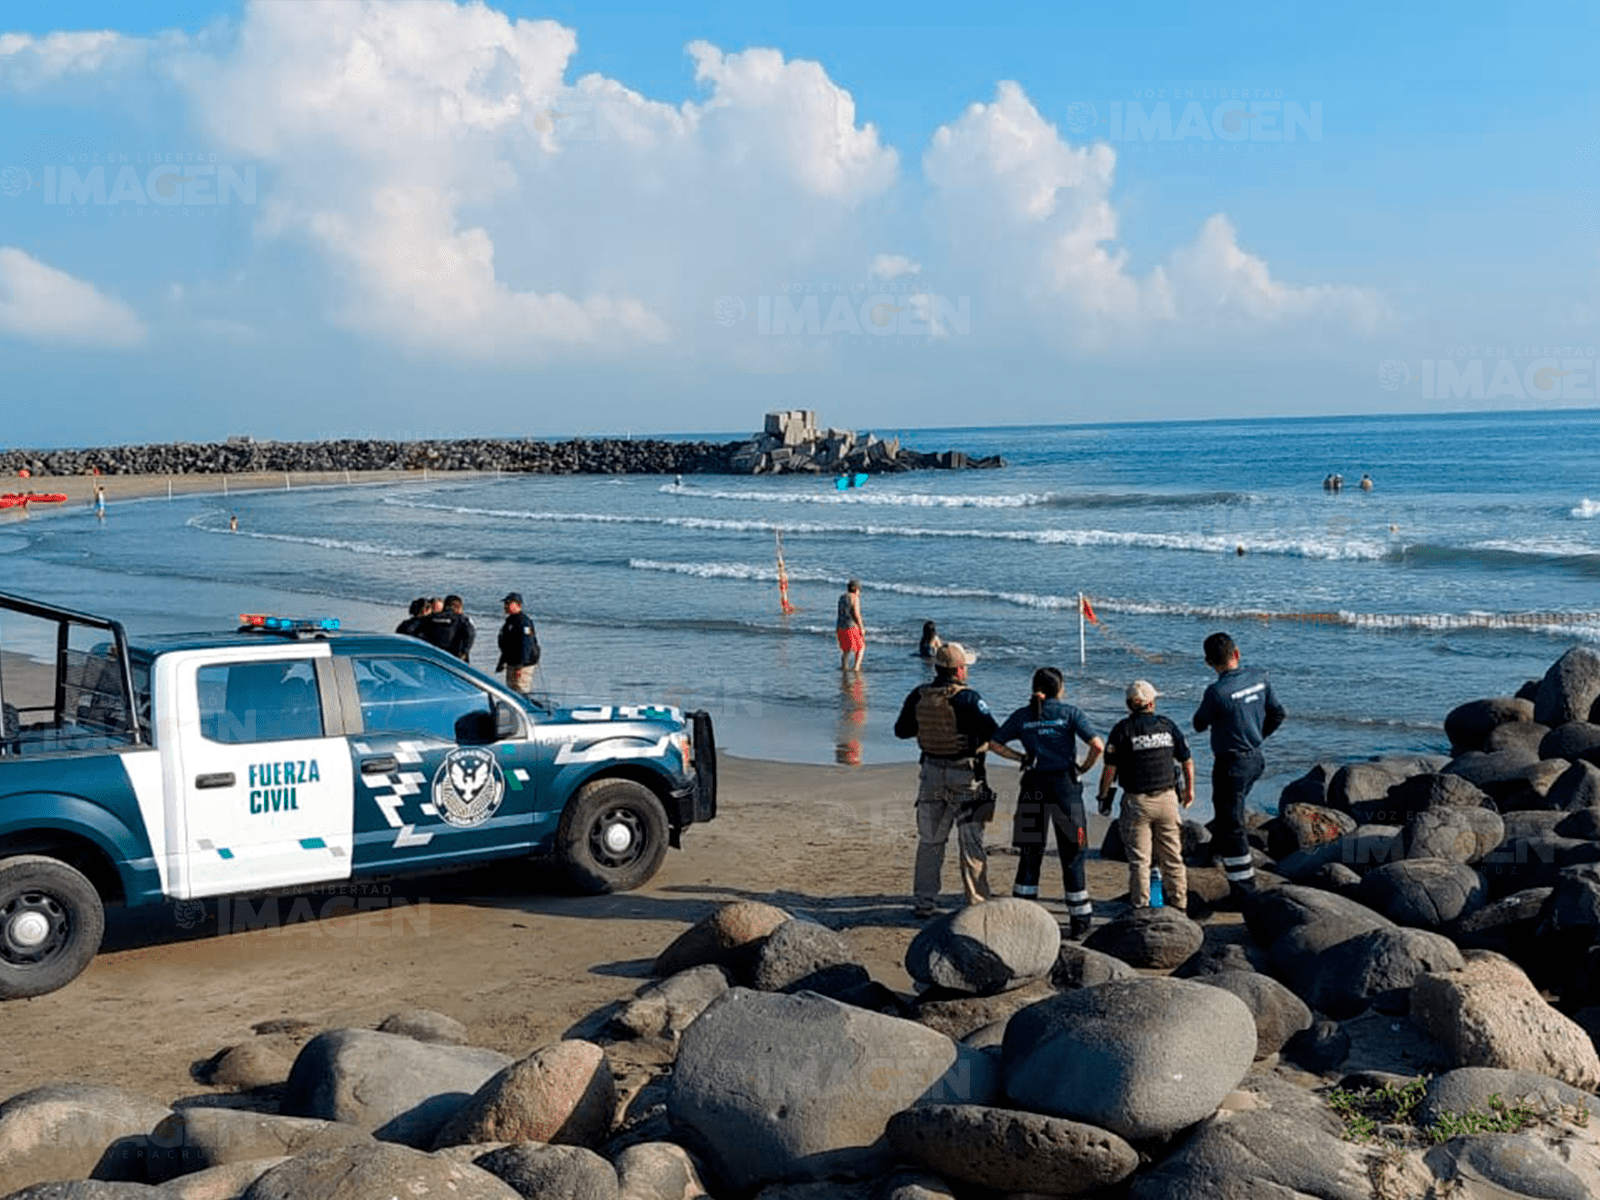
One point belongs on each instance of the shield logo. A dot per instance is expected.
(468, 787)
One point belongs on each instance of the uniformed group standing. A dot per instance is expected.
(1146, 754)
(445, 624)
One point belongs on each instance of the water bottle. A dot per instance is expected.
(1156, 899)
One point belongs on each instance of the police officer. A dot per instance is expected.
(1241, 712)
(1051, 795)
(1140, 754)
(519, 645)
(951, 724)
(464, 633)
(412, 625)
(439, 626)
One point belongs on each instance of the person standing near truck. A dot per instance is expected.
(1241, 712)
(519, 645)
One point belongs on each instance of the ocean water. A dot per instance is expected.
(1471, 566)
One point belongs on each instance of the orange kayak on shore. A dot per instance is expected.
(12, 498)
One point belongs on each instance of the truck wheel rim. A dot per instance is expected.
(617, 837)
(30, 927)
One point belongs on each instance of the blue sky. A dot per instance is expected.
(546, 219)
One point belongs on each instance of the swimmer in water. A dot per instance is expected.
(1366, 483)
(233, 522)
(1239, 549)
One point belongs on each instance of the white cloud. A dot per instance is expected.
(28, 63)
(41, 304)
(893, 266)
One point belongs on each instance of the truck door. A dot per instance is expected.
(265, 797)
(432, 782)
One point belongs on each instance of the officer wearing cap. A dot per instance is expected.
(1140, 754)
(1241, 712)
(951, 723)
(519, 645)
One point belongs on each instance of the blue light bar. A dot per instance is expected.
(288, 624)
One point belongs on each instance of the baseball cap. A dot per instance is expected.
(512, 598)
(1140, 691)
(952, 654)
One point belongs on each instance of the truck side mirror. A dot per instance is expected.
(506, 722)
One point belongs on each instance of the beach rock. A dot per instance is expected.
(804, 956)
(1581, 823)
(1532, 790)
(396, 1088)
(68, 1131)
(1427, 893)
(1506, 926)
(1501, 774)
(959, 1015)
(552, 1172)
(1140, 1057)
(1077, 966)
(425, 1025)
(1257, 1153)
(226, 1182)
(1510, 1164)
(562, 1093)
(1573, 741)
(657, 1171)
(1434, 789)
(1459, 835)
(1377, 969)
(1470, 1089)
(771, 1087)
(1148, 937)
(1521, 736)
(1299, 925)
(1576, 788)
(245, 1066)
(729, 937)
(199, 1138)
(1488, 1014)
(1366, 847)
(365, 1172)
(986, 948)
(1216, 955)
(1312, 825)
(1530, 856)
(1569, 688)
(1321, 1048)
(1469, 725)
(1279, 1014)
(87, 1189)
(907, 1184)
(1338, 878)
(1310, 788)
(1002, 1150)
(665, 1008)
(1361, 783)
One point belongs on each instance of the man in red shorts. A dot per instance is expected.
(852, 633)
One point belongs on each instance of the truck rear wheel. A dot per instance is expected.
(51, 923)
(612, 836)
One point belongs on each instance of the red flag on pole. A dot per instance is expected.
(1088, 610)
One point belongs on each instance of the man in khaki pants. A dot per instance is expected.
(1141, 752)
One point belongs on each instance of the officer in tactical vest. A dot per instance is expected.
(950, 722)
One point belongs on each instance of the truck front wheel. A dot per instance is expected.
(613, 836)
(51, 923)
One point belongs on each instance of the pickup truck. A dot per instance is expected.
(285, 754)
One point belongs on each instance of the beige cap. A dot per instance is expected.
(952, 654)
(1140, 691)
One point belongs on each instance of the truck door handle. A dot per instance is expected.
(219, 779)
(381, 765)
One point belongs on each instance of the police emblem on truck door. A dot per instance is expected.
(468, 787)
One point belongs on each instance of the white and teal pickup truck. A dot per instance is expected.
(287, 754)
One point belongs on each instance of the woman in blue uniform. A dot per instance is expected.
(1049, 730)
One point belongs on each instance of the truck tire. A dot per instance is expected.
(613, 836)
(51, 923)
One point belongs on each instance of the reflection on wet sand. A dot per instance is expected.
(852, 719)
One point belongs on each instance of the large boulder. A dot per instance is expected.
(1501, 774)
(1469, 725)
(64, 1130)
(1532, 853)
(1258, 1153)
(729, 937)
(1578, 787)
(1461, 835)
(1504, 1165)
(959, 1015)
(201, 1137)
(561, 1093)
(1375, 968)
(396, 1088)
(657, 1171)
(1279, 1014)
(1077, 966)
(425, 1025)
(1299, 925)
(552, 1172)
(1506, 926)
(1140, 1057)
(1362, 783)
(1160, 938)
(665, 1008)
(1362, 849)
(1517, 735)
(1575, 741)
(1471, 1089)
(1313, 825)
(770, 1087)
(998, 1149)
(1489, 1015)
(804, 956)
(1569, 688)
(1428, 893)
(986, 948)
(365, 1172)
(1310, 788)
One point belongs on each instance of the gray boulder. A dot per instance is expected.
(986, 948)
(1077, 966)
(1310, 788)
(958, 1015)
(64, 1131)
(1469, 725)
(396, 1088)
(1321, 1048)
(1364, 848)
(1569, 688)
(1506, 926)
(657, 1171)
(771, 1087)
(1376, 969)
(1462, 835)
(1581, 823)
(728, 937)
(200, 1137)
(1470, 1089)
(225, 1182)
(1217, 955)
(1427, 893)
(1140, 1057)
(804, 956)
(543, 1172)
(247, 1065)
(1299, 925)
(1312, 825)
(1517, 735)
(1509, 1164)
(562, 1093)
(366, 1172)
(1362, 783)
(425, 1025)
(1258, 1153)
(88, 1189)
(1433, 789)
(1279, 1014)
(665, 1008)
(1576, 788)
(1002, 1150)
(1160, 938)
(1500, 774)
